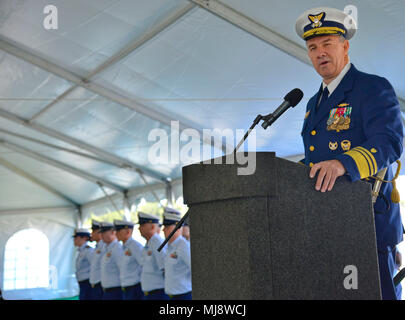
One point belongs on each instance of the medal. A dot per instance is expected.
(345, 144)
(339, 118)
(333, 145)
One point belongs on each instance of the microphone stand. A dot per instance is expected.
(255, 122)
(180, 223)
(178, 226)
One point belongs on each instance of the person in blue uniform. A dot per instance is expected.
(131, 261)
(177, 259)
(110, 263)
(95, 264)
(186, 230)
(352, 126)
(81, 238)
(152, 277)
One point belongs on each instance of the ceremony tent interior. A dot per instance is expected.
(85, 106)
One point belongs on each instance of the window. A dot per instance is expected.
(26, 260)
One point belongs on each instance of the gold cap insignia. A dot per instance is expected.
(316, 19)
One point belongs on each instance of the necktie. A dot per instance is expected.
(325, 95)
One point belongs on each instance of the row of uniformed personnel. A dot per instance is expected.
(131, 271)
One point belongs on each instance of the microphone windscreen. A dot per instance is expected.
(294, 97)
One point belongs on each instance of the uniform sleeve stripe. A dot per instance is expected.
(361, 161)
(372, 159)
(369, 161)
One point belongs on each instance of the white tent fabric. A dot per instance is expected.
(58, 226)
(78, 103)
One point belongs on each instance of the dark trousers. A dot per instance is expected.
(158, 294)
(184, 296)
(386, 262)
(97, 292)
(85, 290)
(112, 293)
(133, 292)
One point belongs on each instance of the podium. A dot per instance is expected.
(271, 235)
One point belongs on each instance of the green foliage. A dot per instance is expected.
(147, 207)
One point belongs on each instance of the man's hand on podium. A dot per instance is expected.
(329, 171)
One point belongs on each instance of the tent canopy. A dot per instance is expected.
(83, 106)
(115, 70)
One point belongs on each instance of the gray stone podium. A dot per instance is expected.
(271, 235)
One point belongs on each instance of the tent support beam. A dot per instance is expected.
(254, 28)
(52, 103)
(79, 154)
(146, 183)
(60, 165)
(128, 49)
(120, 162)
(18, 51)
(130, 193)
(36, 181)
(108, 197)
(53, 146)
(169, 194)
(131, 47)
(37, 210)
(127, 209)
(79, 220)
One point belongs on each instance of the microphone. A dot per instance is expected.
(290, 100)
